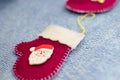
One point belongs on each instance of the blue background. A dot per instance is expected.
(97, 57)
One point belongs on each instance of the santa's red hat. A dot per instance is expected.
(46, 46)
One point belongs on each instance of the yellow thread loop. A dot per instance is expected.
(80, 18)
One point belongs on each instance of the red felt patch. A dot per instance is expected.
(23, 70)
(85, 6)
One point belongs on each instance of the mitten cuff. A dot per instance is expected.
(63, 35)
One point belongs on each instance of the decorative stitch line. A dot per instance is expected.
(50, 76)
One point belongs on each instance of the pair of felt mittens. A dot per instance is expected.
(41, 59)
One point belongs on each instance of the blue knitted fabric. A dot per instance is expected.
(97, 57)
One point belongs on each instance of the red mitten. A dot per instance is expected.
(85, 6)
(42, 58)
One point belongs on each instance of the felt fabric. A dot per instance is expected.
(44, 71)
(97, 57)
(63, 35)
(62, 45)
(84, 6)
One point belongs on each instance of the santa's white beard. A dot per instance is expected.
(38, 59)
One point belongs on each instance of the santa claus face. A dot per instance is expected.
(40, 56)
(43, 52)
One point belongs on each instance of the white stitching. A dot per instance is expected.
(47, 77)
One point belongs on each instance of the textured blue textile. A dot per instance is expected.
(97, 57)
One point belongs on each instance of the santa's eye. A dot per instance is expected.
(47, 51)
(39, 51)
(43, 51)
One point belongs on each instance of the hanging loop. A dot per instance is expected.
(86, 16)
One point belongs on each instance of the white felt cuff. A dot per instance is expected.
(63, 35)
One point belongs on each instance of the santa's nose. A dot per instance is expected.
(40, 52)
